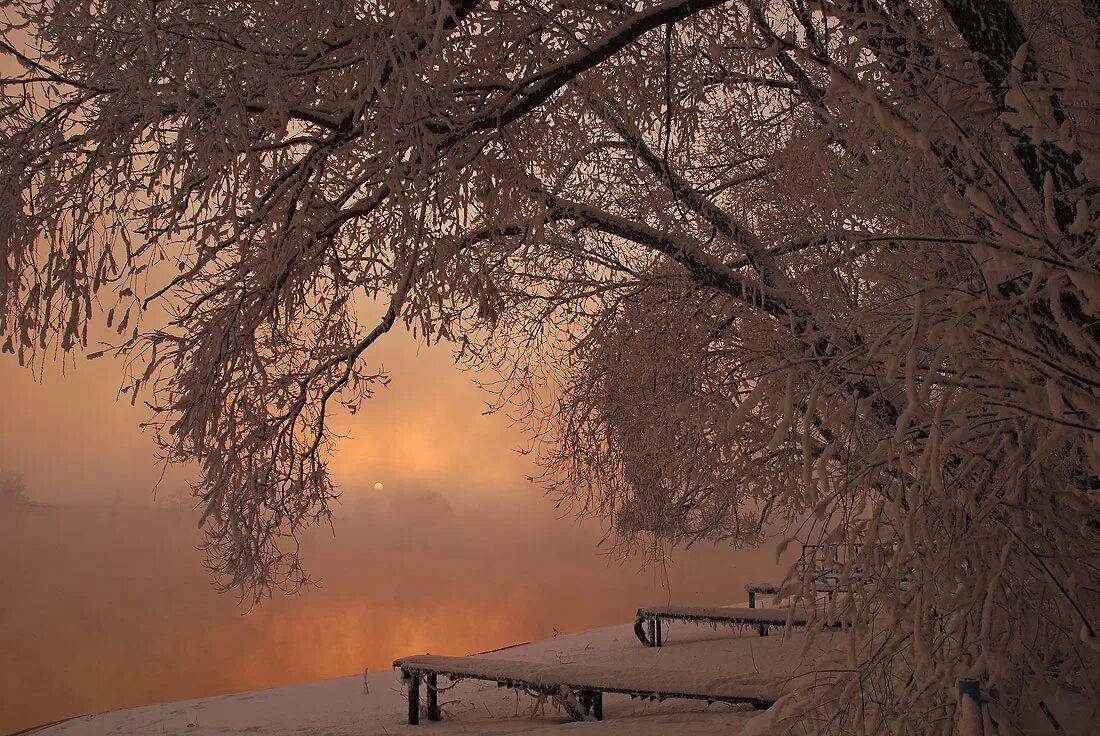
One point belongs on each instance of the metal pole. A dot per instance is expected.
(970, 707)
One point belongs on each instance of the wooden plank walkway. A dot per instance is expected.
(578, 687)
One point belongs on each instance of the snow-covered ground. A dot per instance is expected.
(375, 704)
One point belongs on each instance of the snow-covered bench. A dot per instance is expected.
(579, 688)
(652, 618)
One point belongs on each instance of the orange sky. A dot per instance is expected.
(427, 428)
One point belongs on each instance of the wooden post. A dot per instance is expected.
(762, 629)
(659, 632)
(597, 705)
(651, 624)
(433, 698)
(414, 700)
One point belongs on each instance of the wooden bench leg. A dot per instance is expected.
(639, 631)
(660, 638)
(414, 700)
(752, 604)
(584, 697)
(591, 703)
(651, 624)
(433, 698)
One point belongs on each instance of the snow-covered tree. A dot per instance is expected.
(829, 267)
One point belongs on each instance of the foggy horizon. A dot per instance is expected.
(111, 607)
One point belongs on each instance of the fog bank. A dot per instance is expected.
(108, 606)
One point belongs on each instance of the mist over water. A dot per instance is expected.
(107, 606)
(103, 599)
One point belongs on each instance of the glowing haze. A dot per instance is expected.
(441, 544)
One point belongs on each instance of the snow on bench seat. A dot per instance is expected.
(580, 687)
(719, 614)
(762, 617)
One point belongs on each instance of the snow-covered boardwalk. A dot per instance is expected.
(579, 688)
